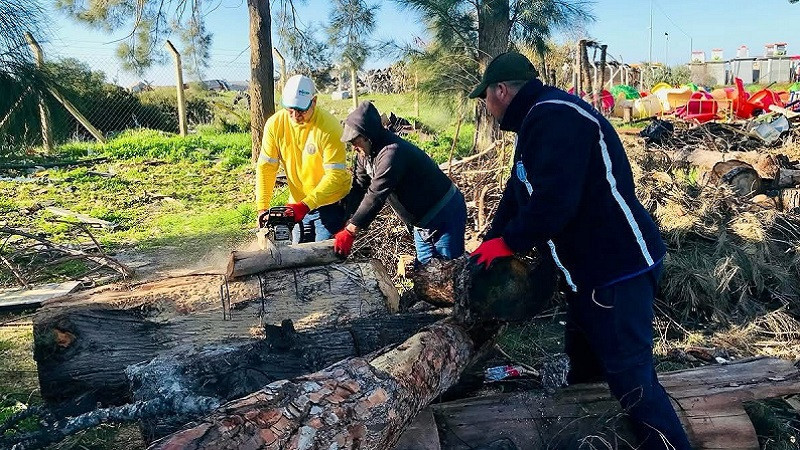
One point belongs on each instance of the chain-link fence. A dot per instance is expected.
(93, 91)
(105, 100)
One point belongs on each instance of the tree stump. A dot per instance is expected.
(742, 178)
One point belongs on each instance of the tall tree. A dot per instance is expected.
(150, 21)
(262, 71)
(351, 25)
(482, 29)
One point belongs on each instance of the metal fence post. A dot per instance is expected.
(179, 80)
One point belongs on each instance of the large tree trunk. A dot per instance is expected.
(494, 26)
(226, 372)
(353, 404)
(84, 342)
(262, 82)
(366, 404)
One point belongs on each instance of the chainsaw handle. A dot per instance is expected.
(262, 219)
(284, 211)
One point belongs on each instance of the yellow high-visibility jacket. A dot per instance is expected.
(312, 155)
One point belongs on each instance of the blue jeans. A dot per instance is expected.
(319, 224)
(609, 335)
(443, 235)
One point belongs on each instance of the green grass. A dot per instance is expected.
(207, 178)
(231, 148)
(17, 368)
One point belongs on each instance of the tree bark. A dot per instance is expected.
(84, 342)
(262, 82)
(586, 84)
(357, 403)
(790, 200)
(788, 178)
(602, 78)
(226, 372)
(494, 26)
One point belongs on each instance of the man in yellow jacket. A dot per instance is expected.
(306, 141)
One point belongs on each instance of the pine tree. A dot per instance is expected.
(478, 30)
(349, 31)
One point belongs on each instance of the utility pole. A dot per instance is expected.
(666, 50)
(650, 57)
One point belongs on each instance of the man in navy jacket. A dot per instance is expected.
(571, 194)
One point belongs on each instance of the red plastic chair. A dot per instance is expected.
(765, 98)
(701, 108)
(741, 106)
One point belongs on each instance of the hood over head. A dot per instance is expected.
(366, 121)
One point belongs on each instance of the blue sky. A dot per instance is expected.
(623, 25)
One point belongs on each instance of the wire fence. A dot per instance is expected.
(94, 91)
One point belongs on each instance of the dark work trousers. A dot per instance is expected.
(609, 336)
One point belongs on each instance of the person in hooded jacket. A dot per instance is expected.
(391, 169)
(571, 194)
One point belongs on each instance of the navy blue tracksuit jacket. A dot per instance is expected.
(571, 192)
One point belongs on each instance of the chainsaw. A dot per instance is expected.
(275, 227)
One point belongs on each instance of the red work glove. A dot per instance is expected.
(489, 250)
(343, 242)
(299, 210)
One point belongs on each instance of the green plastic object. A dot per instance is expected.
(794, 87)
(629, 91)
(692, 86)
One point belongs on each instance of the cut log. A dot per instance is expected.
(284, 257)
(84, 342)
(530, 285)
(353, 404)
(766, 165)
(226, 372)
(709, 402)
(740, 176)
(360, 403)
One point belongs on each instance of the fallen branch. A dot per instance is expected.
(167, 405)
(103, 261)
(48, 165)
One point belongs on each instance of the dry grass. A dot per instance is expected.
(729, 260)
